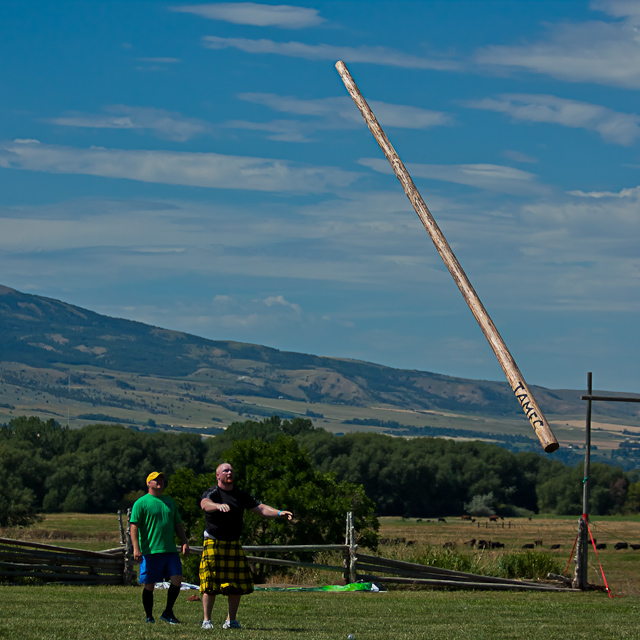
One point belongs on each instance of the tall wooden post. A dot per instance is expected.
(346, 563)
(350, 557)
(121, 527)
(353, 548)
(127, 574)
(582, 549)
(521, 390)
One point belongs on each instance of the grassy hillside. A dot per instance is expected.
(58, 360)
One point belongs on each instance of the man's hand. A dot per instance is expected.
(185, 549)
(285, 514)
(224, 507)
(137, 556)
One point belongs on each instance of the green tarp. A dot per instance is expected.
(355, 586)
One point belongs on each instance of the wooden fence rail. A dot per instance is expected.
(20, 559)
(359, 566)
(370, 568)
(45, 562)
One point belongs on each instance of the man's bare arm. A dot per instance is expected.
(183, 538)
(135, 541)
(210, 505)
(269, 512)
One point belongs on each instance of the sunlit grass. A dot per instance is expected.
(112, 613)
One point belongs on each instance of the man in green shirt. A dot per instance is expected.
(155, 522)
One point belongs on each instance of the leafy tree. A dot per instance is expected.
(280, 473)
(481, 505)
(186, 488)
(47, 438)
(17, 501)
(561, 492)
(632, 500)
(268, 430)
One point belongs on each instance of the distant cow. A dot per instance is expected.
(449, 545)
(497, 545)
(470, 543)
(635, 547)
(538, 543)
(484, 544)
(601, 545)
(620, 545)
(528, 546)
(465, 517)
(493, 518)
(441, 520)
(555, 546)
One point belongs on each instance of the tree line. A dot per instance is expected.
(100, 468)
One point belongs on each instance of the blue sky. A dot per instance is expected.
(201, 167)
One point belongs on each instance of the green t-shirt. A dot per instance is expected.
(156, 518)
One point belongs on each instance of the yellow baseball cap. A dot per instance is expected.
(153, 475)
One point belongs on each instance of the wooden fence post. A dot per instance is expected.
(580, 575)
(122, 538)
(353, 548)
(127, 573)
(347, 554)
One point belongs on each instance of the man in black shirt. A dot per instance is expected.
(224, 568)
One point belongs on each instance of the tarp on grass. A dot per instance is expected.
(355, 586)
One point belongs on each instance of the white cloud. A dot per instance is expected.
(166, 124)
(359, 240)
(605, 53)
(278, 130)
(342, 108)
(331, 113)
(483, 176)
(565, 252)
(613, 126)
(257, 15)
(238, 312)
(619, 8)
(624, 193)
(518, 156)
(372, 55)
(211, 170)
(280, 300)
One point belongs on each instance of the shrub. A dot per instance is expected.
(527, 564)
(449, 559)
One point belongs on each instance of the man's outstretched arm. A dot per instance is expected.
(269, 512)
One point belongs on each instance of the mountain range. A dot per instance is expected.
(77, 366)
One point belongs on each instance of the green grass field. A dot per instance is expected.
(56, 611)
(621, 568)
(116, 613)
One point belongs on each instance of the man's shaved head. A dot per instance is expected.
(224, 475)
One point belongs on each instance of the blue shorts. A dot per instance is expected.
(158, 567)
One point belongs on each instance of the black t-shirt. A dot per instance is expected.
(227, 525)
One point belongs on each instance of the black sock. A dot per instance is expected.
(172, 595)
(147, 602)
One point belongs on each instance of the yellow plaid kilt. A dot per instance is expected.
(224, 568)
